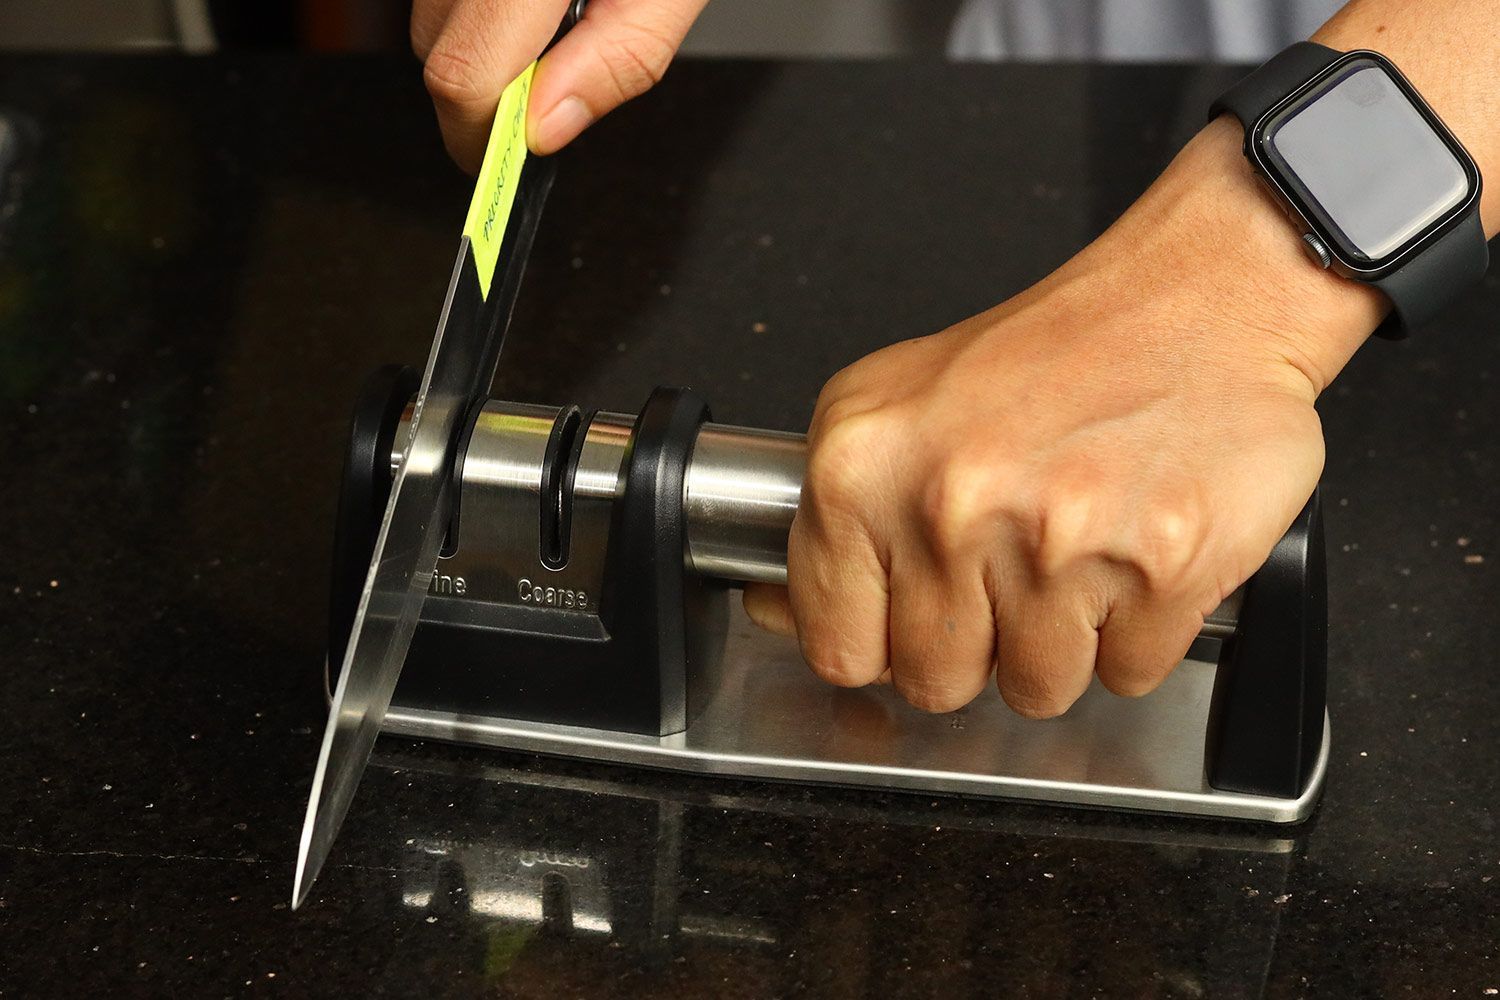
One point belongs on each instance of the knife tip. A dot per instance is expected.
(301, 884)
(306, 874)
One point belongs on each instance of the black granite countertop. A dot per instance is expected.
(199, 260)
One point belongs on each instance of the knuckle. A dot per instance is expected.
(1034, 708)
(1130, 680)
(840, 463)
(1033, 696)
(637, 60)
(958, 506)
(450, 77)
(831, 662)
(1061, 529)
(1170, 535)
(839, 386)
(839, 403)
(930, 694)
(1130, 665)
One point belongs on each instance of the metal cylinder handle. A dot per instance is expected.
(743, 486)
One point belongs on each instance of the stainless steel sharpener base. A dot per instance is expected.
(582, 613)
(771, 719)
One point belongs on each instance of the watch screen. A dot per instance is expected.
(1367, 160)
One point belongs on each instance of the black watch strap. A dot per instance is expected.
(1273, 80)
(1433, 278)
(1422, 287)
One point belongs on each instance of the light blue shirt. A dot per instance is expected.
(1133, 30)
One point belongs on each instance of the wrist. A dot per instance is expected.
(1209, 229)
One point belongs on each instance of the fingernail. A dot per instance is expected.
(558, 126)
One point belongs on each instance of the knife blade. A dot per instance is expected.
(460, 366)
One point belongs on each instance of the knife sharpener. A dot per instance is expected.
(580, 609)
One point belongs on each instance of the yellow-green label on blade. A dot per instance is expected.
(498, 177)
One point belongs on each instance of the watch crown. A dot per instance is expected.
(1316, 250)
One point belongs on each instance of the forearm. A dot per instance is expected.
(1207, 228)
(1062, 487)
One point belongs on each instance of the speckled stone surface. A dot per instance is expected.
(199, 261)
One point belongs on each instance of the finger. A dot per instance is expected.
(482, 47)
(427, 20)
(770, 608)
(942, 634)
(1046, 641)
(839, 600)
(619, 50)
(1143, 641)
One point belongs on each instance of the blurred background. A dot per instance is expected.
(1107, 30)
(728, 27)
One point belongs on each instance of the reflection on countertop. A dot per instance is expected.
(559, 866)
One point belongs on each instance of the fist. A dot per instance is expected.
(1064, 486)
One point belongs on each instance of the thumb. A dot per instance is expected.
(482, 47)
(770, 608)
(617, 51)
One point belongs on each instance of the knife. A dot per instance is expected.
(486, 278)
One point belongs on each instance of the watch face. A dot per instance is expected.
(1365, 162)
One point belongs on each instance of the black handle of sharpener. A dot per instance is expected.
(363, 493)
(1268, 711)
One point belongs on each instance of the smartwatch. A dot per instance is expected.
(1382, 190)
